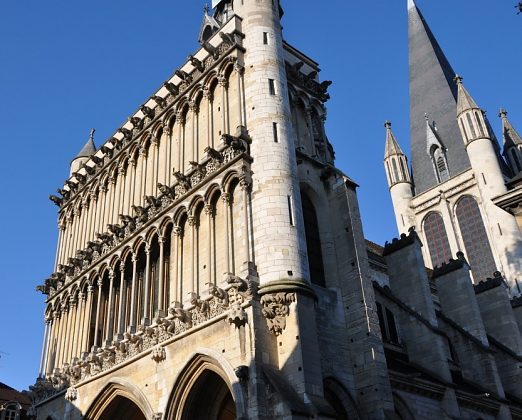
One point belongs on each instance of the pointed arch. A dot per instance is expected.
(436, 238)
(114, 389)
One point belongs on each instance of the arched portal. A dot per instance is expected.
(121, 408)
(209, 399)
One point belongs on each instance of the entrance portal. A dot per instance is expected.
(121, 408)
(209, 399)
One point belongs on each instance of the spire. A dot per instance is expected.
(511, 136)
(465, 101)
(89, 148)
(432, 91)
(392, 146)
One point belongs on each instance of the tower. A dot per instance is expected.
(457, 169)
(512, 149)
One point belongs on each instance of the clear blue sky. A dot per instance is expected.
(66, 67)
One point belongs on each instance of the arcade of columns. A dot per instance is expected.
(173, 261)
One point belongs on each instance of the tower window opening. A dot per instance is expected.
(463, 127)
(471, 127)
(437, 239)
(313, 242)
(474, 236)
(403, 169)
(516, 160)
(388, 173)
(275, 133)
(387, 324)
(395, 171)
(440, 164)
(271, 86)
(290, 210)
(479, 123)
(265, 38)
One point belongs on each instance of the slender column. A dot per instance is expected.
(87, 320)
(223, 82)
(72, 328)
(64, 318)
(181, 264)
(132, 326)
(151, 168)
(69, 237)
(99, 210)
(103, 210)
(82, 219)
(144, 175)
(193, 107)
(121, 309)
(174, 264)
(97, 327)
(166, 163)
(88, 222)
(76, 235)
(49, 344)
(309, 111)
(112, 198)
(192, 223)
(207, 96)
(157, 164)
(239, 72)
(109, 329)
(209, 211)
(117, 194)
(132, 186)
(146, 287)
(44, 347)
(80, 315)
(161, 274)
(180, 121)
(226, 200)
(52, 364)
(94, 215)
(245, 184)
(61, 238)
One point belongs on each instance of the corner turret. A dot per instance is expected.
(399, 181)
(512, 144)
(87, 151)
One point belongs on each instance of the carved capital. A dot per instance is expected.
(158, 354)
(223, 81)
(209, 210)
(100, 283)
(225, 197)
(177, 231)
(207, 94)
(192, 221)
(276, 308)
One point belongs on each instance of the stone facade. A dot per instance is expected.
(212, 265)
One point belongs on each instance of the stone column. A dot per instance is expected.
(245, 184)
(87, 320)
(80, 316)
(227, 201)
(166, 164)
(110, 204)
(132, 326)
(97, 327)
(180, 121)
(175, 279)
(146, 287)
(72, 328)
(123, 303)
(310, 130)
(51, 364)
(64, 324)
(239, 69)
(207, 95)
(192, 222)
(223, 82)
(161, 280)
(109, 329)
(193, 107)
(44, 348)
(209, 211)
(155, 166)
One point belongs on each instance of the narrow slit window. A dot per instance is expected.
(276, 134)
(471, 127)
(271, 86)
(265, 38)
(290, 210)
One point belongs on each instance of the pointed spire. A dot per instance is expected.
(465, 101)
(89, 148)
(511, 136)
(432, 91)
(392, 146)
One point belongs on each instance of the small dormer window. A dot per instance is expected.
(440, 164)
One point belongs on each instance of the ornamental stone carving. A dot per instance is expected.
(158, 354)
(276, 308)
(71, 394)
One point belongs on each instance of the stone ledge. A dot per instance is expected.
(489, 284)
(402, 242)
(450, 266)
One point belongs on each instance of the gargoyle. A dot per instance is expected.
(56, 200)
(166, 190)
(159, 100)
(97, 160)
(180, 314)
(172, 88)
(213, 154)
(128, 221)
(116, 230)
(182, 180)
(210, 49)
(196, 63)
(197, 167)
(75, 262)
(66, 269)
(148, 112)
(85, 254)
(95, 246)
(201, 305)
(81, 178)
(141, 214)
(118, 144)
(228, 38)
(107, 151)
(89, 169)
(218, 293)
(152, 201)
(232, 141)
(311, 76)
(127, 134)
(325, 85)
(183, 75)
(105, 238)
(64, 193)
(44, 289)
(72, 186)
(136, 122)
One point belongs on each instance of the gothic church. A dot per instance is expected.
(211, 262)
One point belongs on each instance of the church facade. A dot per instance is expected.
(212, 264)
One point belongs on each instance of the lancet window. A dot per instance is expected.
(437, 239)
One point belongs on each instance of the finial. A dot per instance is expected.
(502, 113)
(91, 135)
(411, 4)
(458, 79)
(206, 9)
(387, 124)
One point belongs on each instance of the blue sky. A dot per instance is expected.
(66, 67)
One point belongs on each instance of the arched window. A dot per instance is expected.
(471, 126)
(395, 171)
(403, 170)
(514, 155)
(313, 242)
(479, 123)
(437, 239)
(473, 231)
(439, 162)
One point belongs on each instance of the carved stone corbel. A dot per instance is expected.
(276, 308)
(71, 394)
(158, 354)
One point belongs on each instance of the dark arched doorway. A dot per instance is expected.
(121, 408)
(209, 399)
